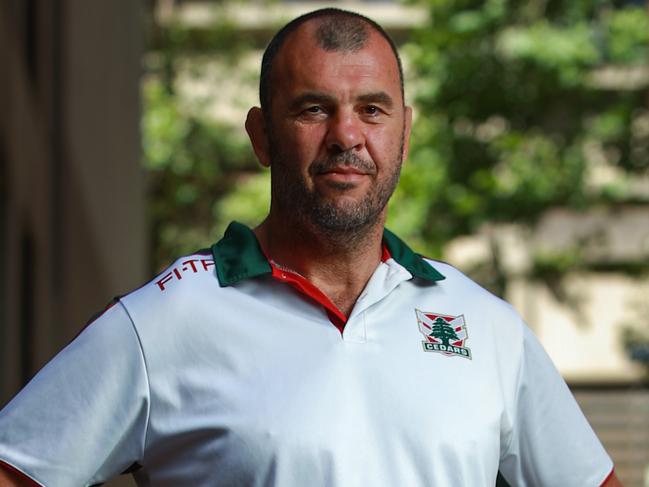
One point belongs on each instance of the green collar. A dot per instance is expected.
(417, 266)
(238, 256)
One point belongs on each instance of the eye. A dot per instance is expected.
(371, 110)
(312, 113)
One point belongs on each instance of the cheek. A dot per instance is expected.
(296, 151)
(384, 144)
(306, 143)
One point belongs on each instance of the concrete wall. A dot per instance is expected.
(72, 226)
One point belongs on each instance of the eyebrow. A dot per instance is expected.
(378, 97)
(311, 97)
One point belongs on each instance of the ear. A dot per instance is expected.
(407, 125)
(256, 128)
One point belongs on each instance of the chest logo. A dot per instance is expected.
(443, 334)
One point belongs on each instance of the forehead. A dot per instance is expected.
(302, 64)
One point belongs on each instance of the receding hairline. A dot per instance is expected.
(346, 33)
(357, 35)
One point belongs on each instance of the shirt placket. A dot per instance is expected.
(385, 279)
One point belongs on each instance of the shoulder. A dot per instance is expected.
(182, 280)
(495, 324)
(171, 297)
(461, 289)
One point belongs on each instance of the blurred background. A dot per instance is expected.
(122, 147)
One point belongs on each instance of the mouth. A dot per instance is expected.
(345, 163)
(343, 179)
(345, 171)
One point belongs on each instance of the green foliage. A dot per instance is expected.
(627, 32)
(508, 117)
(192, 163)
(248, 204)
(200, 169)
(550, 265)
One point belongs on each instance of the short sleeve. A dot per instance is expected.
(550, 441)
(83, 418)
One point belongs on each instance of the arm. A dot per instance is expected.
(82, 419)
(551, 442)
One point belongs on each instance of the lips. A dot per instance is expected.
(345, 170)
(343, 164)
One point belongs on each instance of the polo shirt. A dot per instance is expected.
(227, 370)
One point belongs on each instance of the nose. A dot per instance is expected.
(345, 132)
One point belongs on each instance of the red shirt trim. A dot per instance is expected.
(608, 476)
(10, 468)
(307, 288)
(304, 286)
(385, 253)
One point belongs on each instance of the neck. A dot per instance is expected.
(338, 264)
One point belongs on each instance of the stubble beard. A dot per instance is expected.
(332, 218)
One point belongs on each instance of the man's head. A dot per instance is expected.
(334, 127)
(339, 30)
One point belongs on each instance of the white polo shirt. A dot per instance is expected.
(217, 373)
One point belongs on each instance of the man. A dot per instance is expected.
(317, 350)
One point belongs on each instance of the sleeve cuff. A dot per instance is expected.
(10, 468)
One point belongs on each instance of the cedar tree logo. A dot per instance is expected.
(443, 334)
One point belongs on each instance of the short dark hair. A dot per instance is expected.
(341, 30)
